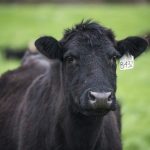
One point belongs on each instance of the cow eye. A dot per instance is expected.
(69, 59)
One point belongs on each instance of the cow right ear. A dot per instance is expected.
(133, 45)
(49, 47)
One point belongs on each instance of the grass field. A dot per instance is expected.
(22, 24)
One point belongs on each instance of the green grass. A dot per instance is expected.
(134, 93)
(22, 24)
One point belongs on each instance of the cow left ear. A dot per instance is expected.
(49, 47)
(132, 45)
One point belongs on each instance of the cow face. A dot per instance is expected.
(88, 55)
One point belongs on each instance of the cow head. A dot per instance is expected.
(88, 53)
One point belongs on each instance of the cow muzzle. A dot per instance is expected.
(97, 102)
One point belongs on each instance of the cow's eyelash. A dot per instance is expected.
(114, 55)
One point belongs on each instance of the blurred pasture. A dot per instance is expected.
(20, 24)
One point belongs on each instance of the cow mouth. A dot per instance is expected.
(94, 112)
(89, 112)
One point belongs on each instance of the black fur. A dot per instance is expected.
(13, 85)
(54, 114)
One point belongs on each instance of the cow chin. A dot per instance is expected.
(96, 112)
(99, 113)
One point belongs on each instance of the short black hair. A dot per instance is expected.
(85, 28)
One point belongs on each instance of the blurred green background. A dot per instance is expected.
(20, 24)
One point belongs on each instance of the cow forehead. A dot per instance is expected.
(86, 37)
(87, 47)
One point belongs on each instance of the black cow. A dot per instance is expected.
(73, 105)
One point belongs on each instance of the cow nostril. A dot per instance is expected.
(110, 97)
(91, 96)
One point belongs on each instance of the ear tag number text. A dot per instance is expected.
(126, 62)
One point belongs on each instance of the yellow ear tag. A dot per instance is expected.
(126, 62)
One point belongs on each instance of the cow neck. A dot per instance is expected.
(82, 132)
